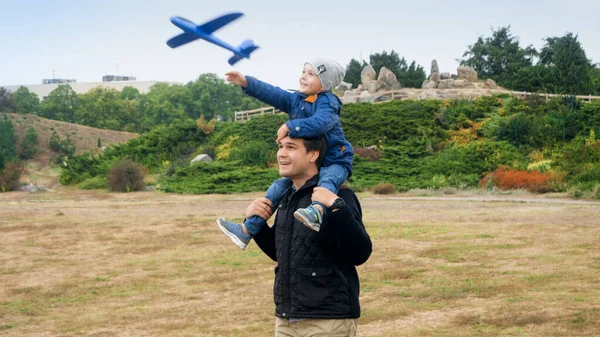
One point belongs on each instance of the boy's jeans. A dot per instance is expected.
(330, 177)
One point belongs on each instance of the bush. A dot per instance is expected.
(54, 142)
(597, 192)
(255, 153)
(384, 188)
(29, 144)
(126, 176)
(533, 181)
(369, 153)
(94, 183)
(9, 177)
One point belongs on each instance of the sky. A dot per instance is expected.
(87, 39)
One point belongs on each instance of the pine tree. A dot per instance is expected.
(29, 144)
(7, 141)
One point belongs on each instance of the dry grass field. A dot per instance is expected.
(91, 263)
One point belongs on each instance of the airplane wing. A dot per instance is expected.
(219, 22)
(181, 39)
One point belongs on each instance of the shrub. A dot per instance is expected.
(597, 192)
(9, 177)
(94, 183)
(534, 181)
(384, 188)
(54, 141)
(126, 176)
(254, 153)
(368, 153)
(29, 144)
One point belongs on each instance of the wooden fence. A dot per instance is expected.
(242, 116)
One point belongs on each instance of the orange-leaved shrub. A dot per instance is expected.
(384, 188)
(533, 181)
(126, 176)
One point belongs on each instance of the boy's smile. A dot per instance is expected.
(309, 81)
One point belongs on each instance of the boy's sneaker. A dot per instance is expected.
(310, 217)
(235, 233)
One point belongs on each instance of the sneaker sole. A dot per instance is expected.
(232, 236)
(306, 221)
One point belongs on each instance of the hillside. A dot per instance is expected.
(85, 139)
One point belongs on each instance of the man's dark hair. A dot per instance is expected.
(316, 144)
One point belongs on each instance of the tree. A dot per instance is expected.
(61, 104)
(595, 76)
(413, 76)
(570, 68)
(391, 61)
(101, 108)
(165, 104)
(29, 144)
(7, 141)
(26, 102)
(353, 72)
(54, 142)
(409, 76)
(498, 57)
(7, 104)
(212, 97)
(130, 93)
(533, 79)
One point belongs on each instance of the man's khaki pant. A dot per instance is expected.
(316, 328)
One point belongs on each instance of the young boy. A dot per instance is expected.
(314, 111)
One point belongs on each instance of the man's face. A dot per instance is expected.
(309, 81)
(294, 161)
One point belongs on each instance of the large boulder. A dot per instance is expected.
(429, 84)
(491, 84)
(463, 84)
(467, 73)
(446, 84)
(366, 97)
(445, 76)
(374, 86)
(388, 79)
(350, 96)
(201, 158)
(343, 87)
(435, 71)
(367, 75)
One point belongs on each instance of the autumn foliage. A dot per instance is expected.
(534, 181)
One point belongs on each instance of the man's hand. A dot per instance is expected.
(260, 207)
(237, 78)
(282, 133)
(324, 196)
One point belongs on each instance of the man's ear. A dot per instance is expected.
(313, 156)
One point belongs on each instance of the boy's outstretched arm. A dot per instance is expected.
(270, 94)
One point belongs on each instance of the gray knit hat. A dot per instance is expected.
(330, 73)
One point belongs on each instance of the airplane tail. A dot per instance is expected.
(245, 49)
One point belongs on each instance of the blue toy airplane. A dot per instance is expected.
(192, 32)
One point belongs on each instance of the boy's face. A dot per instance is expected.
(309, 81)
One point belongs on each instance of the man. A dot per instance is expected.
(316, 288)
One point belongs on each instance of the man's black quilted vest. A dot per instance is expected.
(310, 280)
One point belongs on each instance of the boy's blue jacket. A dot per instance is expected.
(308, 119)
